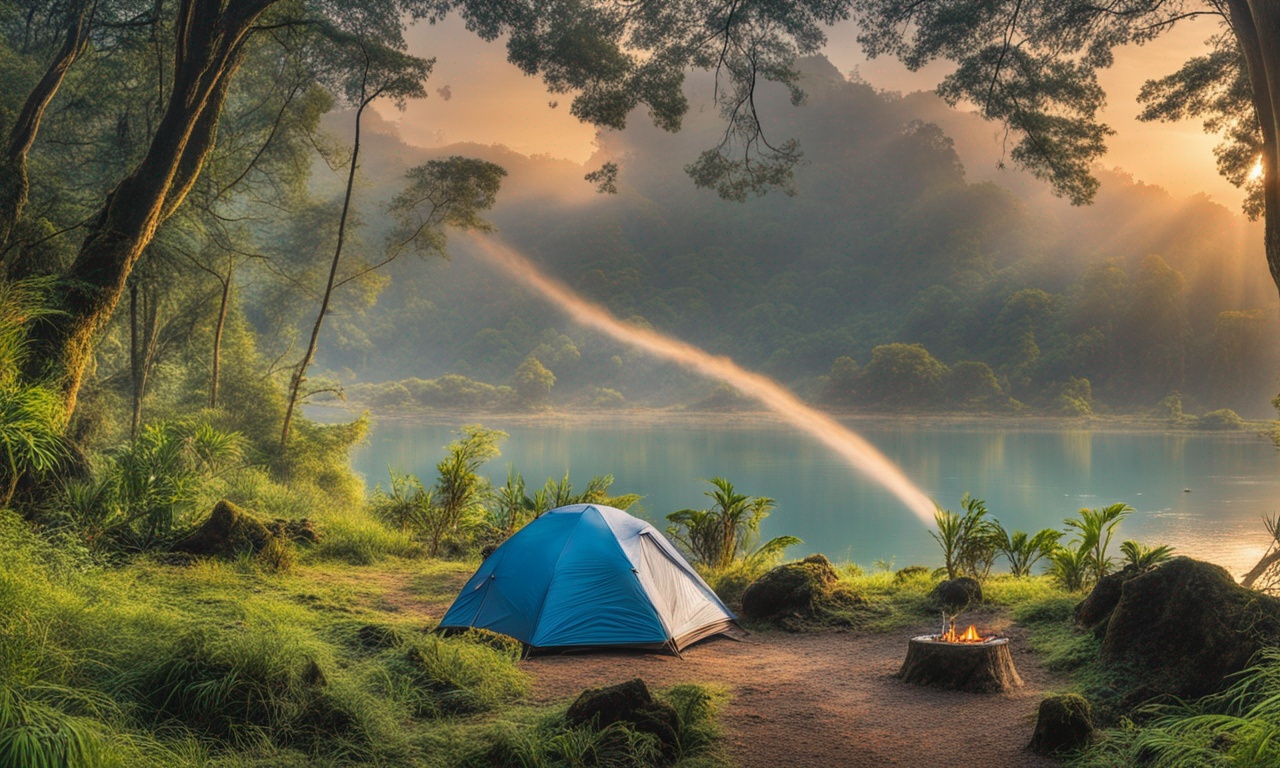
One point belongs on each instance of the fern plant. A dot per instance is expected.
(1095, 528)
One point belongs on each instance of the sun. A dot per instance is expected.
(1255, 172)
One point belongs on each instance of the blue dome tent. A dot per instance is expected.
(588, 575)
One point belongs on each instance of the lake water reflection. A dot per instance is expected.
(1030, 479)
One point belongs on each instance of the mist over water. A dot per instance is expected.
(856, 451)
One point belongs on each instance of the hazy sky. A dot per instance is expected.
(491, 102)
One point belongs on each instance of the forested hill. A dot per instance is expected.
(892, 278)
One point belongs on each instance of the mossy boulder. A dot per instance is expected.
(230, 530)
(1095, 610)
(227, 532)
(956, 594)
(629, 703)
(1063, 723)
(1181, 628)
(790, 589)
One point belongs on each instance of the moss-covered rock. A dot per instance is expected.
(1096, 609)
(790, 589)
(1063, 723)
(630, 703)
(228, 531)
(1184, 626)
(956, 594)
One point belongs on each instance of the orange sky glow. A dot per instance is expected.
(490, 102)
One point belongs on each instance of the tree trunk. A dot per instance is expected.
(13, 166)
(1256, 24)
(300, 373)
(142, 351)
(210, 40)
(217, 340)
(973, 667)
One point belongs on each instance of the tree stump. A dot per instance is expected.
(985, 667)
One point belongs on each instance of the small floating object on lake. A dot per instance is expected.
(1186, 490)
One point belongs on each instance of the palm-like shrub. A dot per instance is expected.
(1023, 551)
(968, 541)
(729, 531)
(1142, 557)
(560, 494)
(158, 476)
(1094, 529)
(509, 505)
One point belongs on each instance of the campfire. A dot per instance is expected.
(970, 635)
(950, 635)
(966, 661)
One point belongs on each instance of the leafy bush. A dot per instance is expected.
(31, 417)
(148, 487)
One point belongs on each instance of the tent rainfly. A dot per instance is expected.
(588, 575)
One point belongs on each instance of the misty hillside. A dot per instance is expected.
(902, 231)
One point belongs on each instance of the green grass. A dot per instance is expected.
(228, 663)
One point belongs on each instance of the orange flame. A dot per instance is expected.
(970, 635)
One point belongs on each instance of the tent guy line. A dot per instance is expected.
(852, 447)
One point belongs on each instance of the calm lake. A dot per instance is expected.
(1031, 479)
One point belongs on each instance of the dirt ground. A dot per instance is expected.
(828, 699)
(813, 700)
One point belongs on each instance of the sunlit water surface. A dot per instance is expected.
(1030, 479)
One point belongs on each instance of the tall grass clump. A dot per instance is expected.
(458, 675)
(358, 539)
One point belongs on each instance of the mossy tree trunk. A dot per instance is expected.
(14, 184)
(210, 39)
(1256, 24)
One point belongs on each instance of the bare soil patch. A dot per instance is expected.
(828, 699)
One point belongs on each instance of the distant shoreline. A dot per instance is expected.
(660, 417)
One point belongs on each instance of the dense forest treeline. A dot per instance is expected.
(1017, 297)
